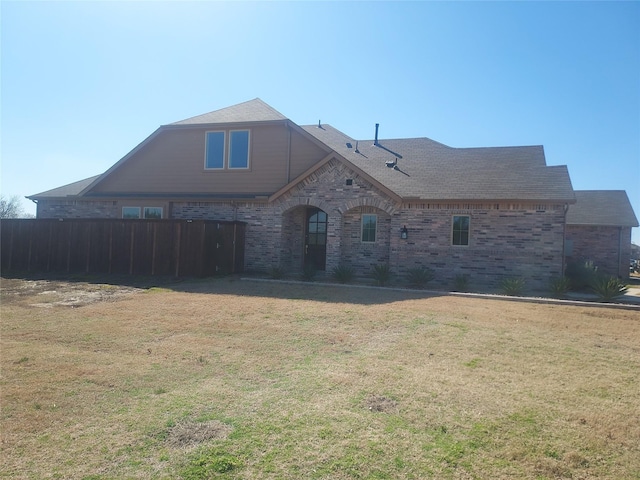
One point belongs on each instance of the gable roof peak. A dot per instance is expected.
(246, 112)
(602, 208)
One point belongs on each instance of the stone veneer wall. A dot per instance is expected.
(609, 248)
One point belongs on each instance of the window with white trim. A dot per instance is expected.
(214, 156)
(227, 151)
(369, 226)
(239, 149)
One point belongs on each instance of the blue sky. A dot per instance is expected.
(83, 83)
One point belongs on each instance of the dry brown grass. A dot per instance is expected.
(241, 379)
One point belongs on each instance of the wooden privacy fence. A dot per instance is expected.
(134, 247)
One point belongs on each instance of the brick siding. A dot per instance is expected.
(609, 248)
(505, 240)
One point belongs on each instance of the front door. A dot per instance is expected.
(315, 239)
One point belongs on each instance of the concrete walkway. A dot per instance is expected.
(630, 301)
(633, 295)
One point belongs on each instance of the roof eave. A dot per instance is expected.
(555, 201)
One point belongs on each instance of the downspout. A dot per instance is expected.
(619, 250)
(288, 153)
(564, 239)
(37, 206)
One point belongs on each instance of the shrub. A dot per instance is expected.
(420, 276)
(581, 274)
(343, 273)
(309, 273)
(381, 274)
(608, 288)
(461, 282)
(512, 286)
(559, 286)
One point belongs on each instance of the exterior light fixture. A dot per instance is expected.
(404, 233)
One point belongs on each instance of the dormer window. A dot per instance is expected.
(239, 149)
(214, 156)
(227, 150)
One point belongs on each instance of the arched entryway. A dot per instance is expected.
(315, 238)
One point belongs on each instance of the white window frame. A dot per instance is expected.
(224, 149)
(248, 150)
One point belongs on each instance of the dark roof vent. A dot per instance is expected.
(349, 145)
(391, 164)
(375, 141)
(357, 151)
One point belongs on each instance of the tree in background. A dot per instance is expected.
(12, 207)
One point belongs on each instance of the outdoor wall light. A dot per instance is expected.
(404, 233)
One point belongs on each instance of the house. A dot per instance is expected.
(599, 230)
(312, 195)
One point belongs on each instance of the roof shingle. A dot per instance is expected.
(70, 190)
(252, 111)
(429, 170)
(602, 208)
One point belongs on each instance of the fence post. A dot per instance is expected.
(49, 247)
(88, 257)
(133, 237)
(110, 247)
(13, 226)
(177, 252)
(70, 231)
(233, 247)
(29, 255)
(153, 249)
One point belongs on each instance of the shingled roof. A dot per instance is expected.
(252, 111)
(602, 208)
(70, 190)
(427, 170)
(413, 168)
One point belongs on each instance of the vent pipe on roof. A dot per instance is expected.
(375, 142)
(319, 126)
(357, 151)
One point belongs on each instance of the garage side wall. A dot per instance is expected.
(609, 248)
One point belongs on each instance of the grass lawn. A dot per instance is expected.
(242, 379)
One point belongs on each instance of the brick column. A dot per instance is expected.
(334, 240)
